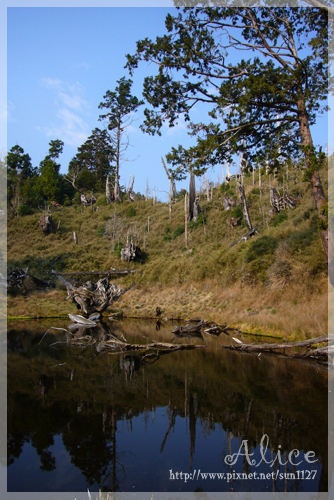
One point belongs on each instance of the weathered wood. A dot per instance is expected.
(45, 223)
(102, 273)
(246, 236)
(273, 347)
(93, 297)
(188, 328)
(87, 201)
(130, 251)
(244, 206)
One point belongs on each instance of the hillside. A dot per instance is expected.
(276, 281)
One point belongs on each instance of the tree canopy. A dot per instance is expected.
(121, 105)
(262, 72)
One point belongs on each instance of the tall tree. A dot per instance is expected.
(49, 180)
(20, 173)
(93, 161)
(270, 99)
(121, 105)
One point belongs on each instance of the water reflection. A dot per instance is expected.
(79, 418)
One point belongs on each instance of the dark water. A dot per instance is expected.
(79, 419)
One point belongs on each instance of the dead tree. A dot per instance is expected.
(108, 193)
(192, 195)
(244, 206)
(45, 223)
(131, 194)
(130, 251)
(196, 209)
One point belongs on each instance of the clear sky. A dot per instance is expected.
(60, 63)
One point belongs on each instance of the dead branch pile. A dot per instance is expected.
(280, 201)
(194, 330)
(87, 201)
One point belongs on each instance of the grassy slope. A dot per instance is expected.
(274, 281)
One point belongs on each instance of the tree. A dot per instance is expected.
(270, 99)
(49, 180)
(21, 177)
(121, 105)
(93, 162)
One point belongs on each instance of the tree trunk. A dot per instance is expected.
(318, 192)
(116, 188)
(108, 195)
(192, 195)
(244, 206)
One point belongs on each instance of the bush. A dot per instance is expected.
(255, 191)
(167, 229)
(278, 218)
(22, 209)
(259, 247)
(201, 221)
(100, 232)
(167, 237)
(178, 231)
(131, 211)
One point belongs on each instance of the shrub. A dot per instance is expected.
(255, 191)
(22, 209)
(131, 211)
(100, 232)
(201, 221)
(178, 231)
(167, 229)
(167, 237)
(278, 218)
(265, 245)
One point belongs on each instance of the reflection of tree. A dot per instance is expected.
(92, 446)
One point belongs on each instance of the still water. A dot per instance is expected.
(200, 420)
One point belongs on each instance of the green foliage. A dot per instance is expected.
(100, 232)
(256, 191)
(259, 247)
(167, 229)
(278, 218)
(237, 213)
(302, 240)
(117, 249)
(201, 221)
(167, 237)
(131, 211)
(178, 231)
(23, 210)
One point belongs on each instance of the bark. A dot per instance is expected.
(192, 195)
(117, 196)
(108, 194)
(244, 206)
(317, 189)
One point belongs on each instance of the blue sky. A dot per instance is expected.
(60, 63)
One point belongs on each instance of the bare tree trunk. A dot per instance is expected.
(170, 199)
(244, 206)
(186, 220)
(192, 195)
(318, 192)
(116, 188)
(108, 195)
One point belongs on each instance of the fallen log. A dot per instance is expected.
(188, 328)
(246, 236)
(282, 347)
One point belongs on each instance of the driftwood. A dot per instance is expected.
(188, 328)
(92, 297)
(319, 352)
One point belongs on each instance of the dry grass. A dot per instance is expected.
(207, 279)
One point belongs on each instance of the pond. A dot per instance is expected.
(209, 420)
